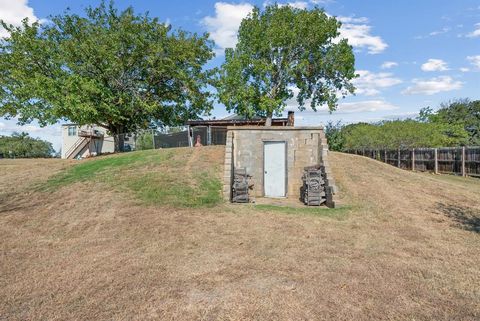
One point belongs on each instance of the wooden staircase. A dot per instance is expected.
(85, 137)
(77, 147)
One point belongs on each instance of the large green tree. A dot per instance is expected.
(283, 52)
(116, 69)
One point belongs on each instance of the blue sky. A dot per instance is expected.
(409, 54)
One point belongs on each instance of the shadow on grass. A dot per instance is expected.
(11, 202)
(464, 217)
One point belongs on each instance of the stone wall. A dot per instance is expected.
(306, 146)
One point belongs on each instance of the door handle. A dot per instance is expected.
(265, 172)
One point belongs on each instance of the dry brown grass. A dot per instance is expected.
(406, 250)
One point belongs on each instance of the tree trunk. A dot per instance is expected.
(118, 138)
(268, 120)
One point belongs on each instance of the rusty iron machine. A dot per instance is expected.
(313, 191)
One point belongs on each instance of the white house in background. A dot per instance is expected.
(85, 141)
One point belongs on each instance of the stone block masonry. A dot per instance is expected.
(305, 146)
(228, 167)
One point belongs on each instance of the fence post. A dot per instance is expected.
(153, 138)
(413, 159)
(190, 141)
(464, 170)
(435, 153)
(398, 162)
(385, 153)
(209, 135)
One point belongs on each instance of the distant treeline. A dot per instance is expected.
(455, 123)
(21, 145)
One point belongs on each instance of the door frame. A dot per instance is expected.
(286, 163)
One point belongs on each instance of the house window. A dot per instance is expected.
(72, 130)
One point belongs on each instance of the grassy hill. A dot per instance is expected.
(179, 177)
(145, 235)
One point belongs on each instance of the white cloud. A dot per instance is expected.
(370, 83)
(294, 4)
(13, 12)
(365, 106)
(474, 60)
(321, 1)
(389, 64)
(439, 32)
(10, 126)
(405, 115)
(223, 27)
(358, 33)
(347, 112)
(435, 65)
(476, 32)
(344, 19)
(434, 33)
(298, 4)
(464, 69)
(373, 105)
(433, 86)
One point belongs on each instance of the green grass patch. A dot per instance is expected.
(104, 167)
(163, 188)
(338, 213)
(156, 177)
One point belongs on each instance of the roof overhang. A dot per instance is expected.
(237, 122)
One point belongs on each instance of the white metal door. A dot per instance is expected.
(274, 169)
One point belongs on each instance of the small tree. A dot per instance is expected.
(284, 52)
(145, 140)
(335, 135)
(23, 146)
(118, 70)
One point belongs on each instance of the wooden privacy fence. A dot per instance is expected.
(463, 161)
